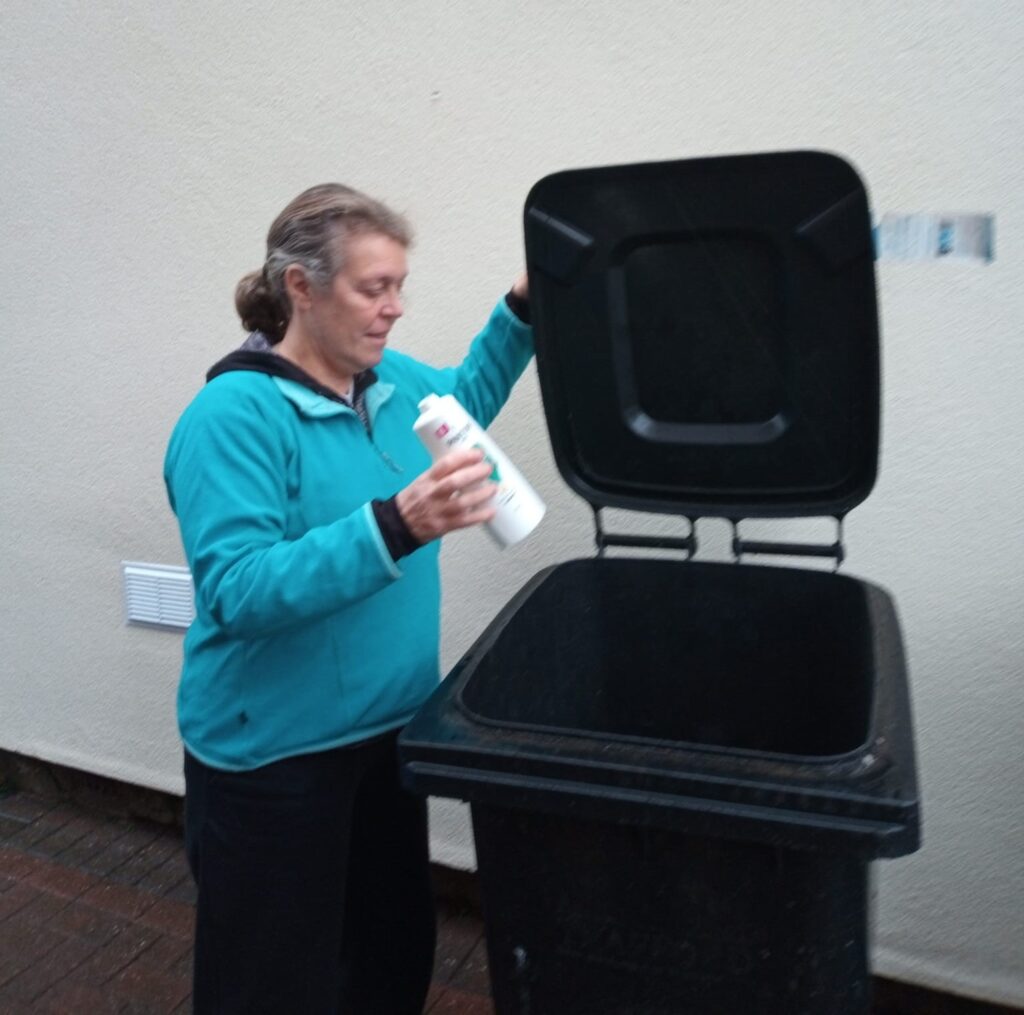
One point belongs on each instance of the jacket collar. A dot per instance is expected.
(317, 406)
(306, 393)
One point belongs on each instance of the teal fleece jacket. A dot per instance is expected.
(307, 634)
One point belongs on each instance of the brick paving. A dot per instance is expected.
(96, 917)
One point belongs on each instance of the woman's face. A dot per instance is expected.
(351, 318)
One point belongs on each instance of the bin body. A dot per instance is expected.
(598, 917)
(678, 775)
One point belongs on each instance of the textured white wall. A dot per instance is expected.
(146, 148)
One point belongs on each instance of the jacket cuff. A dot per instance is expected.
(399, 541)
(518, 306)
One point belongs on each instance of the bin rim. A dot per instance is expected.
(446, 751)
(850, 762)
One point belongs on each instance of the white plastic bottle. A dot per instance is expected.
(443, 426)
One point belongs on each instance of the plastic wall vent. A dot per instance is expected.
(159, 595)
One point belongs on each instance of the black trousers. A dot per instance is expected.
(314, 886)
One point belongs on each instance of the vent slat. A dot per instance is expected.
(158, 594)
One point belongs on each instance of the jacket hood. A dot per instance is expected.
(255, 355)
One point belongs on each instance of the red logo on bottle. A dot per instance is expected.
(441, 430)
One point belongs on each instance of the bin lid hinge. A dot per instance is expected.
(752, 547)
(603, 540)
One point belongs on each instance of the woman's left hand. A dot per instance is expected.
(521, 288)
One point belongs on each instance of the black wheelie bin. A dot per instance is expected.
(680, 771)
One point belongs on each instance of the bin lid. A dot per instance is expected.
(707, 333)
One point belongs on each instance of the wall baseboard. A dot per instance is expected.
(95, 793)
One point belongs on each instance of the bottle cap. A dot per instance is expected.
(428, 403)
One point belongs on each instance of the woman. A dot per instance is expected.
(310, 517)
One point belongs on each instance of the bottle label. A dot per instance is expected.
(495, 476)
(456, 438)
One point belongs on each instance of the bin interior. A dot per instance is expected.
(722, 656)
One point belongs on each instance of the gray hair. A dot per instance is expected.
(312, 232)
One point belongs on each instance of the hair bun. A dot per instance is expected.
(257, 307)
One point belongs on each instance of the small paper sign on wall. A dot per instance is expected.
(935, 237)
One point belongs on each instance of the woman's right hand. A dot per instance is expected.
(450, 495)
